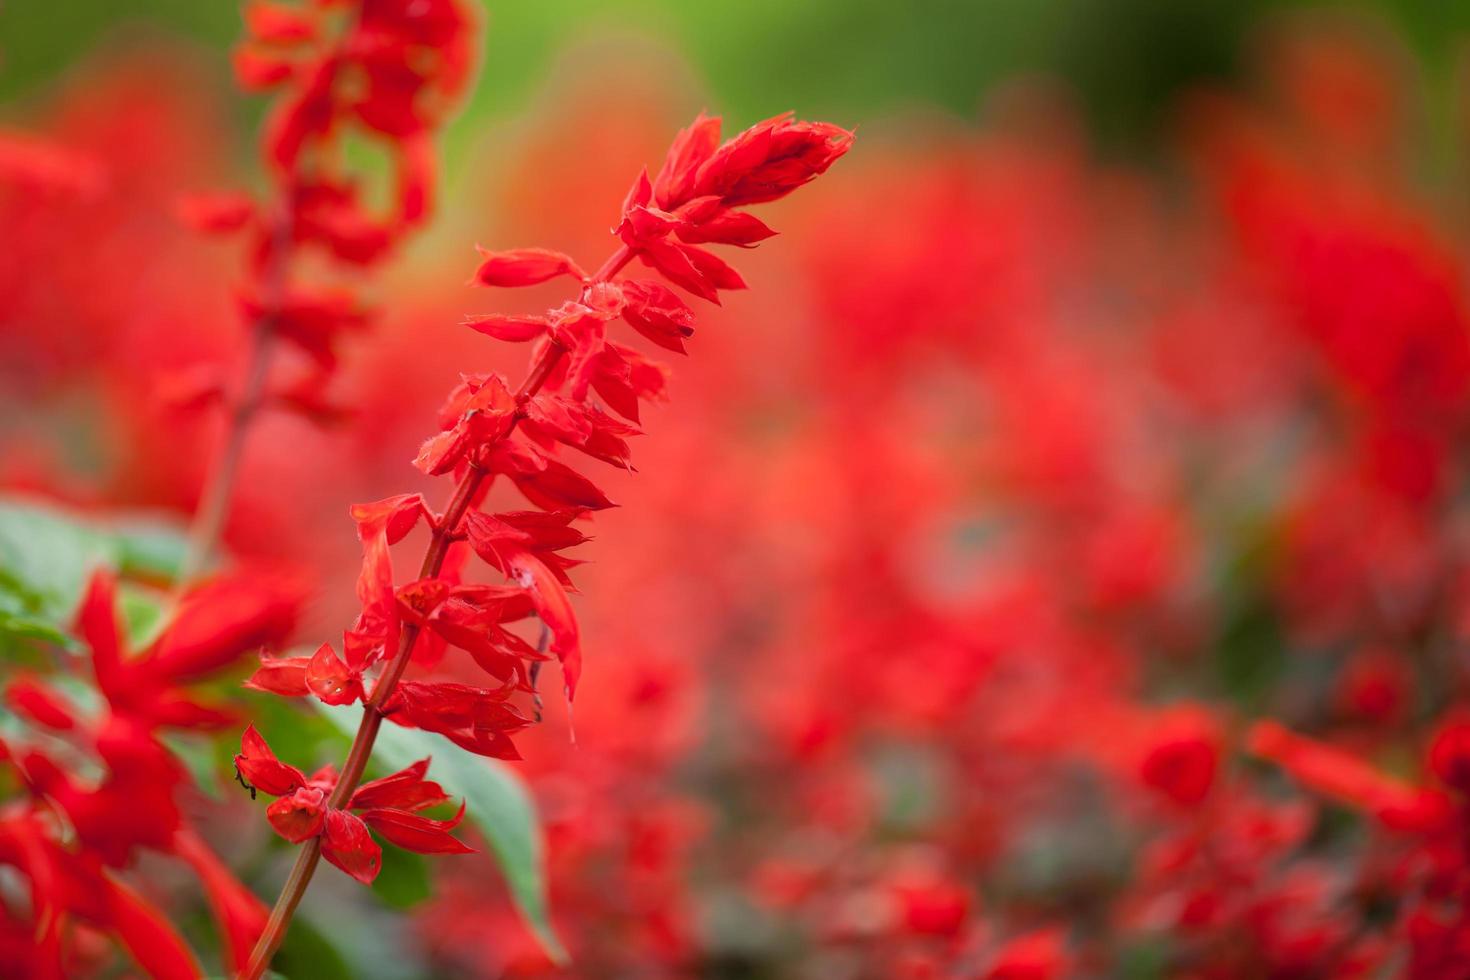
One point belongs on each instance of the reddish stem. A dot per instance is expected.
(214, 502)
(372, 716)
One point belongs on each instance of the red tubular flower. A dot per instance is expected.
(390, 806)
(216, 624)
(299, 814)
(524, 267)
(258, 765)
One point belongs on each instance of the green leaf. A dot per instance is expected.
(47, 556)
(198, 756)
(144, 612)
(497, 803)
(308, 952)
(403, 880)
(150, 547)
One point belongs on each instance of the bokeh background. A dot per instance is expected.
(1108, 398)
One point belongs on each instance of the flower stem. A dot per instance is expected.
(372, 715)
(214, 503)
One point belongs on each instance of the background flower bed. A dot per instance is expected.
(971, 544)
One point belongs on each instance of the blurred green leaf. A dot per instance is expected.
(403, 881)
(197, 754)
(47, 555)
(150, 547)
(144, 613)
(46, 558)
(498, 804)
(308, 952)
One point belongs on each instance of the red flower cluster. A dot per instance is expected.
(1425, 862)
(553, 407)
(386, 69)
(388, 806)
(488, 430)
(73, 832)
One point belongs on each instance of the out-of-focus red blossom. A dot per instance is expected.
(71, 831)
(39, 166)
(1425, 864)
(1183, 756)
(1038, 955)
(386, 70)
(1375, 687)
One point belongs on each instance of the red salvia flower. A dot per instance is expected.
(488, 429)
(389, 805)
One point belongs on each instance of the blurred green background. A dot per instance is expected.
(842, 59)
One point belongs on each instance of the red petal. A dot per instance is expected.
(258, 765)
(674, 265)
(559, 487)
(1449, 753)
(256, 70)
(442, 453)
(492, 538)
(307, 397)
(285, 676)
(515, 329)
(375, 578)
(690, 149)
(440, 704)
(640, 194)
(39, 704)
(415, 160)
(395, 515)
(147, 934)
(347, 844)
(311, 321)
(727, 228)
(420, 598)
(525, 267)
(298, 816)
(657, 313)
(406, 789)
(770, 160)
(241, 915)
(555, 610)
(713, 268)
(418, 834)
(97, 624)
(330, 679)
(189, 389)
